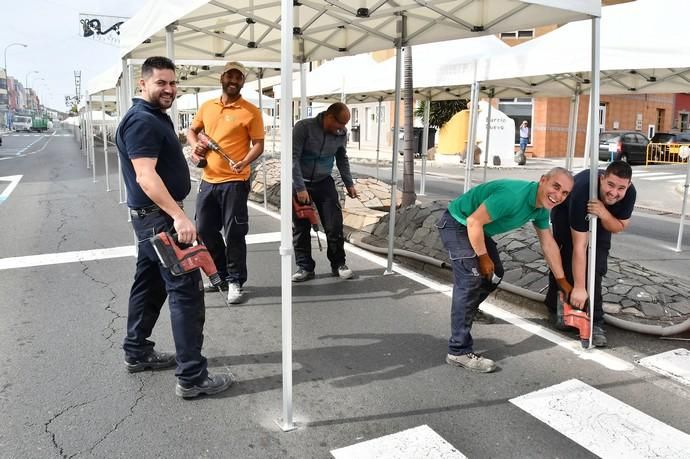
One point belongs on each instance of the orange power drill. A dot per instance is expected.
(181, 261)
(572, 317)
(210, 144)
(307, 212)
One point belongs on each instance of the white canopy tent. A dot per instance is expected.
(322, 29)
(188, 101)
(638, 55)
(636, 58)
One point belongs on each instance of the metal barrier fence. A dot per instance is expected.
(667, 153)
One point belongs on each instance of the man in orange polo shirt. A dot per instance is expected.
(237, 126)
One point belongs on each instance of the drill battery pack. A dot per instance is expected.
(566, 315)
(163, 244)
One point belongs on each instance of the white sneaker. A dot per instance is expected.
(343, 272)
(235, 293)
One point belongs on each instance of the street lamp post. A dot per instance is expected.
(5, 61)
(26, 78)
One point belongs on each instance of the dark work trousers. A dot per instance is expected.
(600, 272)
(152, 284)
(223, 206)
(325, 197)
(470, 288)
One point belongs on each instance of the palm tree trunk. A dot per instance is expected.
(408, 194)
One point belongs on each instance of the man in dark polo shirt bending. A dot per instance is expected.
(614, 207)
(157, 180)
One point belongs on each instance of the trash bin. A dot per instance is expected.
(355, 133)
(418, 133)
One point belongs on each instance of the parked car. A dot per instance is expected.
(0, 140)
(626, 146)
(671, 137)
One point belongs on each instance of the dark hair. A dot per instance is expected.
(620, 169)
(156, 62)
(336, 109)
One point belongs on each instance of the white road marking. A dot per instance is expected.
(261, 238)
(665, 177)
(99, 254)
(66, 257)
(602, 424)
(14, 181)
(675, 364)
(419, 441)
(644, 175)
(595, 355)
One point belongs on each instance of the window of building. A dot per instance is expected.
(523, 34)
(519, 109)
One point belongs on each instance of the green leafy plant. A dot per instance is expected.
(441, 111)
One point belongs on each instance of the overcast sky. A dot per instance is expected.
(51, 29)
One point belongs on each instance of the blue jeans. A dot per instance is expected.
(523, 143)
(325, 197)
(224, 206)
(469, 287)
(152, 285)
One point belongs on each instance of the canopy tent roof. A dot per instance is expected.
(637, 55)
(192, 74)
(376, 81)
(332, 79)
(250, 29)
(187, 102)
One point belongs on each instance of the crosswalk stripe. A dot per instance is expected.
(675, 364)
(602, 424)
(419, 441)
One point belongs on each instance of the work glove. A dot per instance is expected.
(486, 266)
(565, 287)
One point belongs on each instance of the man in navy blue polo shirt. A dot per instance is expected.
(157, 179)
(570, 229)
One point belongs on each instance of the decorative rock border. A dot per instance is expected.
(631, 292)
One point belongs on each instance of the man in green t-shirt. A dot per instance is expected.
(466, 230)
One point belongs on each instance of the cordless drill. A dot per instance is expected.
(209, 144)
(307, 212)
(571, 317)
(181, 261)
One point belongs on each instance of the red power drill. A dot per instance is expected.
(571, 317)
(210, 144)
(307, 212)
(181, 261)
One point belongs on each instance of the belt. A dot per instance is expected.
(149, 210)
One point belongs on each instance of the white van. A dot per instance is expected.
(22, 123)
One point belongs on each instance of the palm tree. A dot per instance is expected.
(409, 196)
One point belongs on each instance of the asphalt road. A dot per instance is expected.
(368, 353)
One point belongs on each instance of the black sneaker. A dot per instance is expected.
(213, 384)
(209, 288)
(153, 361)
(302, 275)
(598, 337)
(343, 272)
